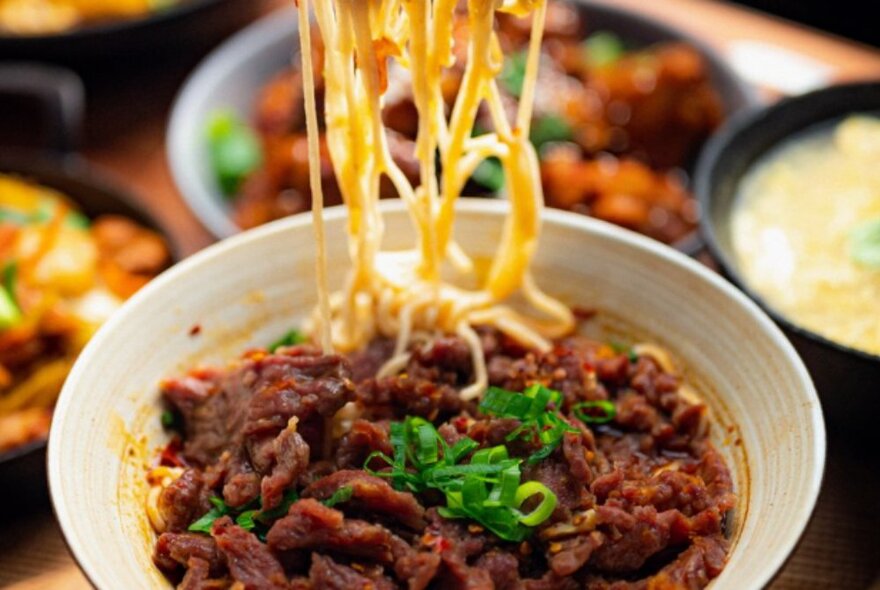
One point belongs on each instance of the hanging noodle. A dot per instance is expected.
(315, 177)
(401, 294)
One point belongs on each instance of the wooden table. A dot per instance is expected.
(126, 130)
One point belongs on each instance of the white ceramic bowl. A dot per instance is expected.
(254, 287)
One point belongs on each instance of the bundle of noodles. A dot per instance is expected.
(402, 294)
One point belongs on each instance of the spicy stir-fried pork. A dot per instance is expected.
(583, 467)
(613, 127)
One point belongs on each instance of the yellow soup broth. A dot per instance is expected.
(806, 231)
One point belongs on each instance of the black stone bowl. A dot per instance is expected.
(848, 380)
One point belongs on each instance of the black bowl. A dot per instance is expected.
(190, 24)
(23, 469)
(847, 379)
(59, 97)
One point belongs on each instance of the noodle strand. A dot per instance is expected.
(403, 295)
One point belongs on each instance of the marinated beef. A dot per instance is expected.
(641, 499)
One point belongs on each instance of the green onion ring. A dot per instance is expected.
(607, 407)
(543, 510)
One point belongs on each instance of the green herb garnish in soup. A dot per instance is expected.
(864, 244)
(806, 231)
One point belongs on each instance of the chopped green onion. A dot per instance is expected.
(530, 407)
(864, 244)
(428, 439)
(478, 130)
(513, 74)
(522, 406)
(10, 312)
(204, 524)
(246, 519)
(167, 419)
(550, 128)
(76, 220)
(542, 396)
(543, 453)
(504, 492)
(489, 456)
(343, 494)
(595, 412)
(233, 148)
(383, 457)
(621, 348)
(291, 338)
(543, 510)
(281, 510)
(484, 489)
(9, 276)
(490, 174)
(618, 347)
(603, 48)
(46, 211)
(14, 216)
(460, 449)
(552, 429)
(397, 438)
(452, 471)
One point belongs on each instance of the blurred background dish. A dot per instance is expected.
(799, 181)
(73, 247)
(51, 17)
(627, 104)
(90, 33)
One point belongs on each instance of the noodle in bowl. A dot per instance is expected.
(262, 282)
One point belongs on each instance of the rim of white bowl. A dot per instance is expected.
(302, 222)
